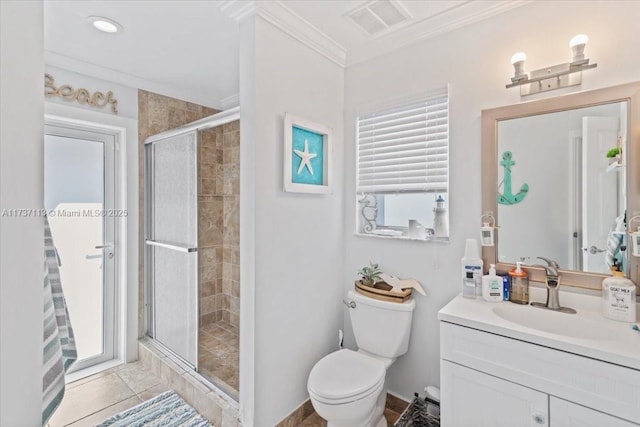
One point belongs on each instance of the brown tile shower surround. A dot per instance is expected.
(218, 230)
(219, 224)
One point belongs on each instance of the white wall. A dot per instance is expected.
(298, 244)
(22, 238)
(126, 96)
(475, 61)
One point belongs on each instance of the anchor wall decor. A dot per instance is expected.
(507, 197)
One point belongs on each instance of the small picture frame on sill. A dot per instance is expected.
(307, 156)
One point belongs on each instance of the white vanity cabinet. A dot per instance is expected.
(491, 380)
(472, 398)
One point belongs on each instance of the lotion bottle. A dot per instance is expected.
(492, 286)
(619, 297)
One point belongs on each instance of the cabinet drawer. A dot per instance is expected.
(595, 384)
(567, 414)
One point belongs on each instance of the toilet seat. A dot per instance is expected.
(345, 376)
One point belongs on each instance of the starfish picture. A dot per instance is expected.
(305, 158)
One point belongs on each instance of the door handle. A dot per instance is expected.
(107, 246)
(595, 250)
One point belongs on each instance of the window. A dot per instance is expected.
(402, 178)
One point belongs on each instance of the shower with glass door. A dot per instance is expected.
(192, 284)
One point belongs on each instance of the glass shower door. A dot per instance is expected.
(171, 244)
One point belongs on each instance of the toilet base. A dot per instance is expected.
(375, 419)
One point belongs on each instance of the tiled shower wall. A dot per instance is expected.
(219, 216)
(159, 113)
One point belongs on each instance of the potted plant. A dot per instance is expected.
(614, 154)
(370, 274)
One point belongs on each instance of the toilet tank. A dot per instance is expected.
(380, 327)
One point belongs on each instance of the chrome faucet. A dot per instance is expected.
(552, 274)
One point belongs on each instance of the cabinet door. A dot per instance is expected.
(567, 414)
(473, 399)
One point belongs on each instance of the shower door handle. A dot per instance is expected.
(171, 246)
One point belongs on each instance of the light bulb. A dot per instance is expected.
(518, 66)
(517, 57)
(577, 45)
(579, 39)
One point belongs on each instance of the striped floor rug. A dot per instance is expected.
(164, 410)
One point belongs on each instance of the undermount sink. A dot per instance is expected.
(569, 325)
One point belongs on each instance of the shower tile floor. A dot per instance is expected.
(218, 357)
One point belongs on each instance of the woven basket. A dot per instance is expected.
(382, 291)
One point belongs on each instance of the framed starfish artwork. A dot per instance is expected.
(307, 156)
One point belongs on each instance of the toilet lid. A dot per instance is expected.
(345, 374)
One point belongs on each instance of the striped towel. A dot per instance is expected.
(59, 344)
(615, 241)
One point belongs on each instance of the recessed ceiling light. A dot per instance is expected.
(105, 25)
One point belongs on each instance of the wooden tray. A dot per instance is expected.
(381, 291)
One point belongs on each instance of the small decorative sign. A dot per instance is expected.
(307, 156)
(82, 96)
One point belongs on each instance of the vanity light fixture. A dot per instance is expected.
(106, 25)
(554, 77)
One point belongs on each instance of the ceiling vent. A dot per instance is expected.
(378, 16)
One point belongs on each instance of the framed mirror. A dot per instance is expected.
(561, 176)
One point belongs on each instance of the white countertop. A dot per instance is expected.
(602, 338)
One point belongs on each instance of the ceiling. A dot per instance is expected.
(189, 49)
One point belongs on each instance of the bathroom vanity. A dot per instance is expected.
(509, 365)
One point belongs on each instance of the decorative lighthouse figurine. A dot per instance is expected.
(440, 219)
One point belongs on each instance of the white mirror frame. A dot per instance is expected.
(630, 93)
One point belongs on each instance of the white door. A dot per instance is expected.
(567, 414)
(79, 182)
(599, 190)
(473, 399)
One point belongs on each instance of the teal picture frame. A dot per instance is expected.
(307, 156)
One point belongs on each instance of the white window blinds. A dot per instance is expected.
(406, 148)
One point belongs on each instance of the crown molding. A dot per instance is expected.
(98, 72)
(237, 9)
(433, 26)
(278, 14)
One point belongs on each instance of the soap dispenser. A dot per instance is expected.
(519, 285)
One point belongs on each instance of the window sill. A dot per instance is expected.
(427, 240)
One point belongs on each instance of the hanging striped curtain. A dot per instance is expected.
(59, 347)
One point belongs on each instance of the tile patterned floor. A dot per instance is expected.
(314, 420)
(95, 398)
(218, 357)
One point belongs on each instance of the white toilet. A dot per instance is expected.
(347, 388)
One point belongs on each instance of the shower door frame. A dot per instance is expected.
(150, 242)
(215, 120)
